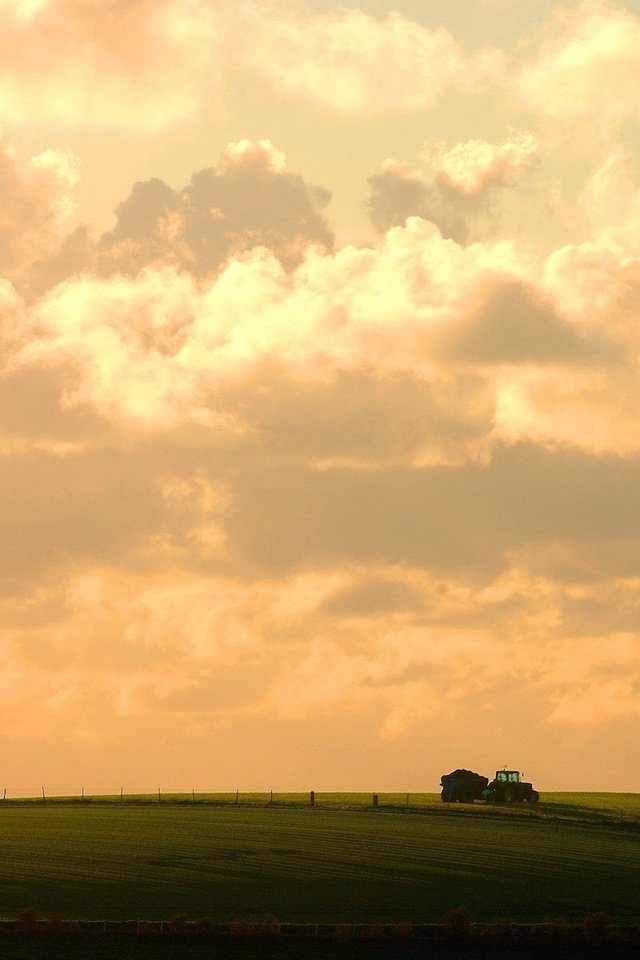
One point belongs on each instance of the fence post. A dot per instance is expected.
(271, 797)
(121, 794)
(159, 798)
(312, 798)
(374, 800)
(237, 796)
(407, 801)
(44, 797)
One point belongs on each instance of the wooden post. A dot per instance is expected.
(121, 794)
(43, 795)
(312, 798)
(407, 801)
(374, 800)
(193, 795)
(271, 797)
(82, 793)
(237, 796)
(4, 795)
(159, 798)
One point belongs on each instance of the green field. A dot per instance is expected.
(339, 861)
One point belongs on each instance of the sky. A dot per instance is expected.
(319, 409)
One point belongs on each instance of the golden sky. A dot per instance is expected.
(319, 407)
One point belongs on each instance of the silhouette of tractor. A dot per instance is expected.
(507, 787)
(465, 786)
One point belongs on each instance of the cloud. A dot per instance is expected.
(70, 61)
(455, 187)
(399, 192)
(250, 200)
(354, 63)
(516, 325)
(154, 347)
(475, 165)
(205, 649)
(37, 202)
(482, 333)
(610, 201)
(588, 66)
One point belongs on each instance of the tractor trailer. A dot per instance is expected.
(465, 786)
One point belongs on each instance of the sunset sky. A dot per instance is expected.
(319, 393)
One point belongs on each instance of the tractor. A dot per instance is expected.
(507, 787)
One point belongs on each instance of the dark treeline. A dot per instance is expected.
(456, 935)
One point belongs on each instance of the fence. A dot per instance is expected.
(312, 799)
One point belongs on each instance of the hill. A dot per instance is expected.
(342, 860)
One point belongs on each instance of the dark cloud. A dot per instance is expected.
(325, 473)
(469, 518)
(514, 325)
(249, 200)
(93, 507)
(215, 690)
(397, 194)
(74, 255)
(244, 203)
(30, 409)
(362, 416)
(373, 596)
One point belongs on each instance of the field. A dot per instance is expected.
(342, 860)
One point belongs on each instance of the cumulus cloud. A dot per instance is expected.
(610, 201)
(588, 66)
(251, 199)
(473, 329)
(455, 186)
(72, 61)
(517, 325)
(398, 192)
(346, 60)
(151, 347)
(475, 165)
(37, 202)
(354, 63)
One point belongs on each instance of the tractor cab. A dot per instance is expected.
(508, 776)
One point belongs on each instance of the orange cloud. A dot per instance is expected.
(588, 67)
(355, 63)
(71, 61)
(473, 166)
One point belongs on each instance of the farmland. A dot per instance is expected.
(340, 861)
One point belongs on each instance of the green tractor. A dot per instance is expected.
(507, 787)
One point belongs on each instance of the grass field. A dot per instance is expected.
(340, 861)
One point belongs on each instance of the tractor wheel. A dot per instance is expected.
(535, 796)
